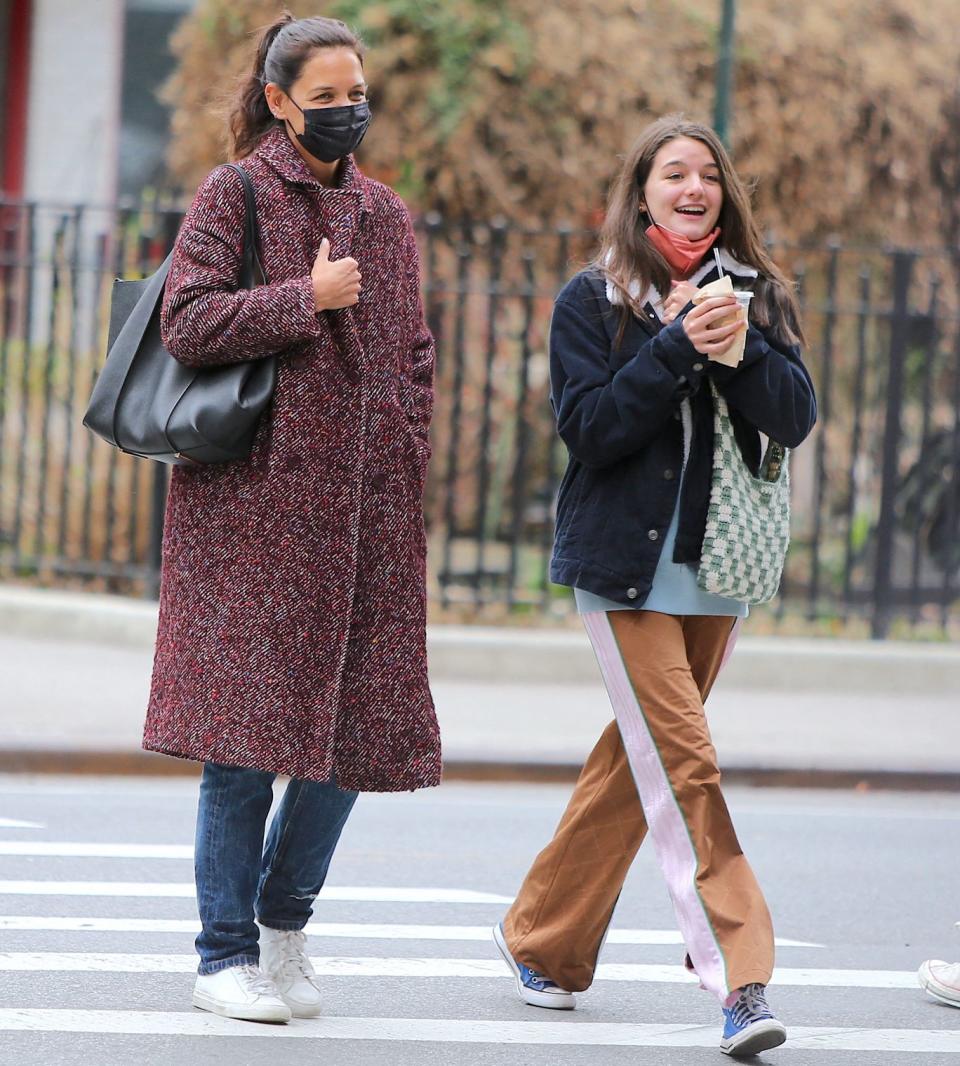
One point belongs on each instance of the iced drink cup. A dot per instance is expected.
(743, 298)
(724, 287)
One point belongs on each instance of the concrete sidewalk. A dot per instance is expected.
(512, 703)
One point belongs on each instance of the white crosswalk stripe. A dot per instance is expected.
(160, 889)
(77, 850)
(343, 930)
(468, 1031)
(359, 966)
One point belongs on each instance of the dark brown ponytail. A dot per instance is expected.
(281, 52)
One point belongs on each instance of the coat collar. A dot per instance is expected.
(277, 150)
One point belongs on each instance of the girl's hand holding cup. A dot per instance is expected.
(712, 326)
(717, 325)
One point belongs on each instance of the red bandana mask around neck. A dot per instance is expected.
(680, 252)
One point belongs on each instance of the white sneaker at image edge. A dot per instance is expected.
(941, 980)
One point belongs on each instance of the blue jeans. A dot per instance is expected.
(237, 877)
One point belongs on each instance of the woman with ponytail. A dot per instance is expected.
(292, 632)
(635, 358)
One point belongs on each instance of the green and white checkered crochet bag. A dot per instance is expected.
(748, 520)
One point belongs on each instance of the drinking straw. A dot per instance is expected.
(716, 256)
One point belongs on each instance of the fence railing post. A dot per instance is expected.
(903, 263)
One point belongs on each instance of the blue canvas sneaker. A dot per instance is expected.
(533, 987)
(749, 1025)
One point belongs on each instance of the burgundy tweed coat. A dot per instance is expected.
(292, 633)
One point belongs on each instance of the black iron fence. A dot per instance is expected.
(876, 490)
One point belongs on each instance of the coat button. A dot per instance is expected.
(698, 366)
(652, 534)
(378, 482)
(632, 594)
(353, 376)
(299, 362)
(668, 475)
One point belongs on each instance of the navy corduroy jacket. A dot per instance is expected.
(617, 407)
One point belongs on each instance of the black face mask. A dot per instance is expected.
(330, 133)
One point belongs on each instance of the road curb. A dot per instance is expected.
(42, 761)
(537, 656)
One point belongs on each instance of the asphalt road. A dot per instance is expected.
(97, 919)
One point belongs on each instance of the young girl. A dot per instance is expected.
(632, 360)
(292, 609)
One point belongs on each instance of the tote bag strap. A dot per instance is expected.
(251, 270)
(131, 333)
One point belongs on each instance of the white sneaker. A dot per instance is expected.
(941, 980)
(243, 992)
(283, 955)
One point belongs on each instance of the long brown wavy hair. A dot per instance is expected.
(626, 254)
(282, 50)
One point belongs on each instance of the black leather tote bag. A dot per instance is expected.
(146, 403)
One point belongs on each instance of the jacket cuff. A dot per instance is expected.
(755, 349)
(679, 355)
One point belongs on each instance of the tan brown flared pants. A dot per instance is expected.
(653, 768)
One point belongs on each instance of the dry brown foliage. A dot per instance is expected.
(521, 108)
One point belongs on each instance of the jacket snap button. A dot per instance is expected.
(653, 535)
(668, 475)
(632, 594)
(698, 366)
(379, 482)
(298, 362)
